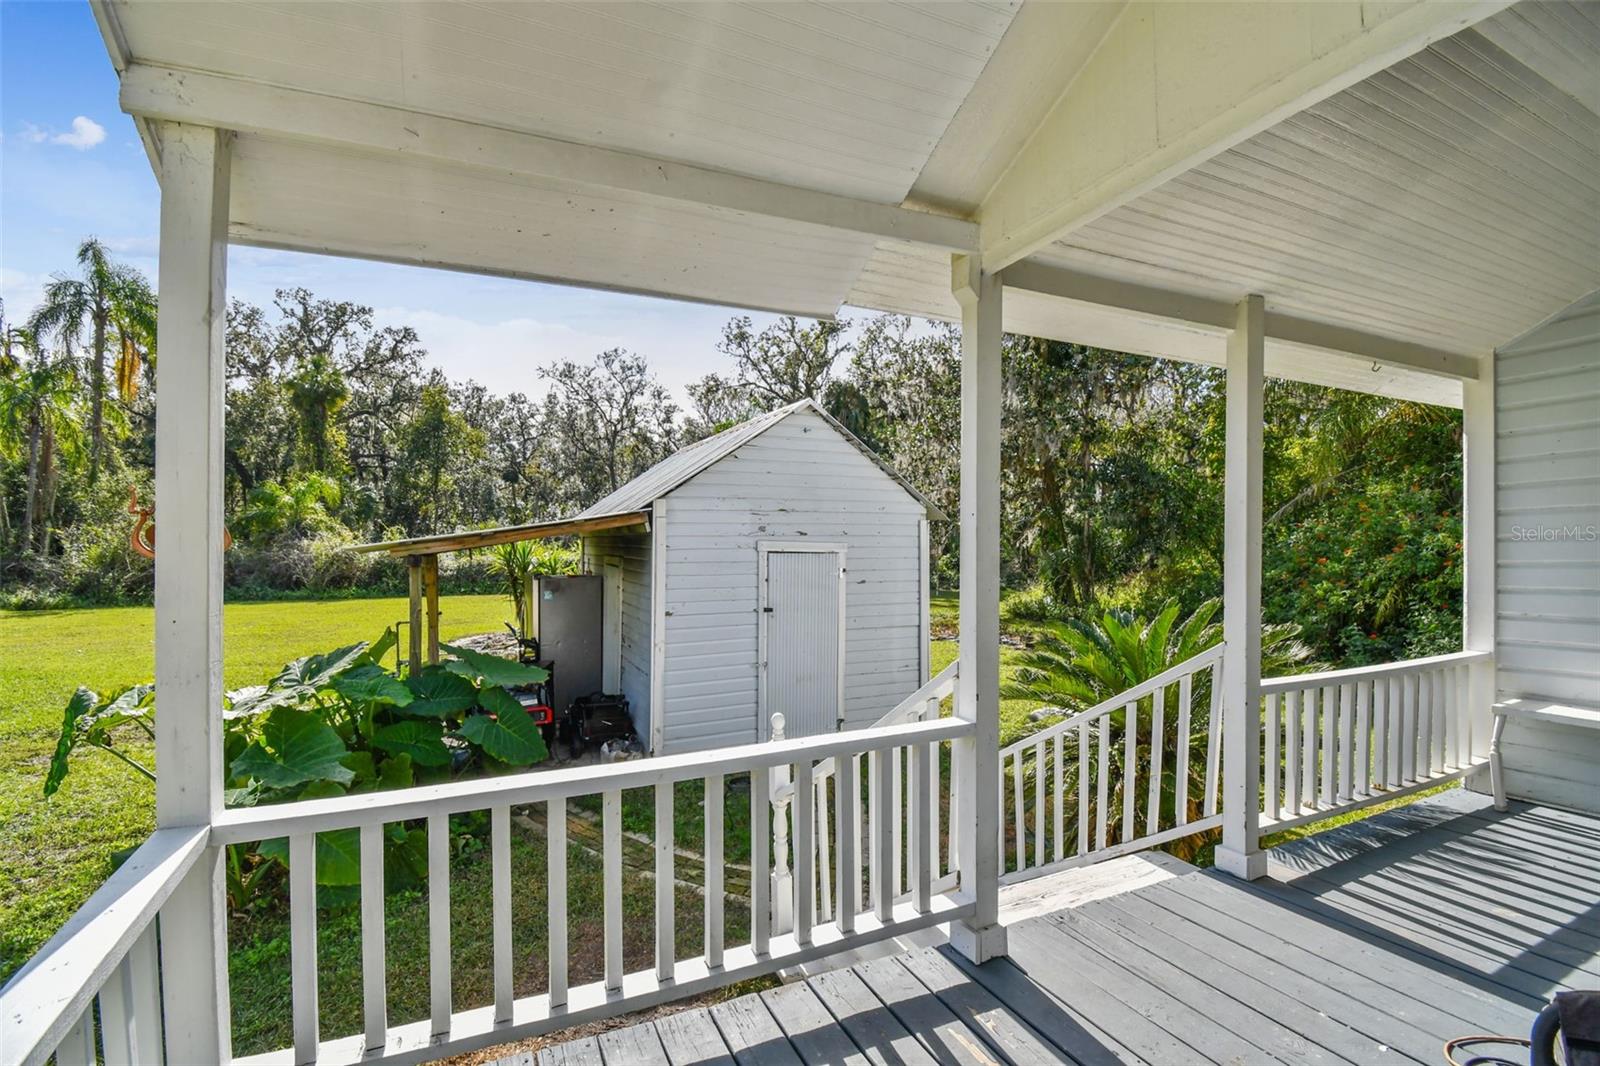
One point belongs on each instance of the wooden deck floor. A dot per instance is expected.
(1369, 944)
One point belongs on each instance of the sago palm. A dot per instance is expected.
(1086, 663)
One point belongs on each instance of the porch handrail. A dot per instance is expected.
(1192, 665)
(1339, 740)
(1289, 682)
(50, 1000)
(1074, 786)
(451, 1028)
(241, 824)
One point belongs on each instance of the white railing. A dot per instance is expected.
(106, 955)
(923, 705)
(1061, 781)
(1344, 739)
(454, 1028)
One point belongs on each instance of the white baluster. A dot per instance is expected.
(761, 898)
(666, 894)
(1158, 741)
(803, 855)
(1270, 772)
(1185, 695)
(374, 981)
(713, 854)
(924, 852)
(303, 944)
(1130, 754)
(885, 812)
(556, 909)
(611, 846)
(846, 797)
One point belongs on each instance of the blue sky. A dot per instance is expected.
(71, 165)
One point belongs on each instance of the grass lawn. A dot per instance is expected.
(54, 853)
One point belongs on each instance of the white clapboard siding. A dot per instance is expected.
(632, 550)
(799, 480)
(1547, 511)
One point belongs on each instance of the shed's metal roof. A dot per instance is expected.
(684, 464)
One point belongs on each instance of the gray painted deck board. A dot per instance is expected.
(922, 1013)
(752, 1033)
(1396, 933)
(810, 1027)
(691, 1038)
(876, 1031)
(1002, 1028)
(637, 1045)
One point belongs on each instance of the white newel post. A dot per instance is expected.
(189, 424)
(977, 759)
(1240, 853)
(780, 793)
(1478, 550)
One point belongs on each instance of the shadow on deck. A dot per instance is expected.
(1372, 943)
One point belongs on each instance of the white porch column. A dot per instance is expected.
(1240, 853)
(1478, 545)
(189, 420)
(978, 692)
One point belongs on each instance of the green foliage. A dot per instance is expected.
(1084, 663)
(333, 723)
(492, 670)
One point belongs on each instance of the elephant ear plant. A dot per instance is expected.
(328, 725)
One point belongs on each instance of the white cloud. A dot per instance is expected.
(84, 134)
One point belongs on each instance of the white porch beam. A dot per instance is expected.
(1478, 546)
(249, 107)
(1153, 302)
(190, 378)
(1173, 84)
(981, 937)
(1240, 853)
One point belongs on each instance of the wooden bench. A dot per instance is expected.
(1531, 711)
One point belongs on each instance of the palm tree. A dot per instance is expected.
(1085, 663)
(106, 297)
(303, 504)
(37, 404)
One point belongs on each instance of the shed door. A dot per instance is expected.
(804, 613)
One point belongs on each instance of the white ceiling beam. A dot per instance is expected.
(154, 92)
(1151, 302)
(1173, 84)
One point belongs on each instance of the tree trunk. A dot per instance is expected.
(48, 481)
(97, 397)
(30, 510)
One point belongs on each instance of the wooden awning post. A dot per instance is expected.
(430, 588)
(414, 617)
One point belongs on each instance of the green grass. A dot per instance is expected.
(54, 853)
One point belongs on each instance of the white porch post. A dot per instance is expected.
(189, 421)
(1478, 546)
(978, 692)
(1240, 853)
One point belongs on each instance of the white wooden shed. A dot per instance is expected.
(779, 566)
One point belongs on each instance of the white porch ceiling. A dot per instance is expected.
(844, 99)
(1450, 201)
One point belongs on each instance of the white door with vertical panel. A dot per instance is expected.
(804, 617)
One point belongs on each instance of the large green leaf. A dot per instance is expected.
(295, 747)
(492, 669)
(338, 856)
(82, 703)
(396, 772)
(422, 741)
(438, 693)
(370, 683)
(510, 734)
(301, 679)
